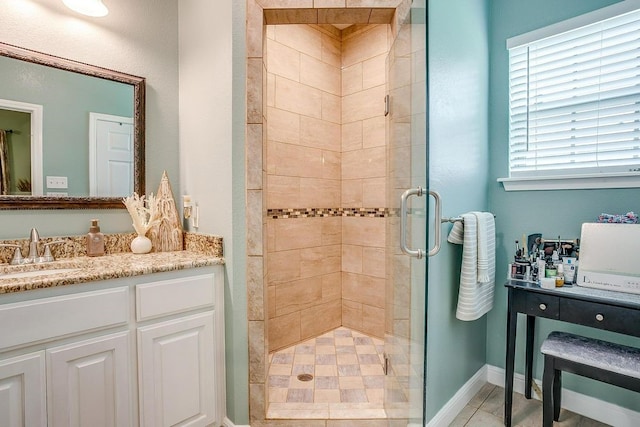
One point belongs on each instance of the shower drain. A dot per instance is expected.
(305, 377)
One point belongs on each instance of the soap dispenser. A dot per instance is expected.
(95, 240)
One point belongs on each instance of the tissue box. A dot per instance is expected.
(609, 257)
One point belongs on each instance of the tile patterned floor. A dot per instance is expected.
(348, 384)
(486, 409)
(348, 380)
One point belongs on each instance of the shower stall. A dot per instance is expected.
(344, 135)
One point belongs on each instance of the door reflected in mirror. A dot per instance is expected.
(110, 155)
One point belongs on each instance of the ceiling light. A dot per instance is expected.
(87, 7)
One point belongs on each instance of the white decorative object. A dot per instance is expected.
(144, 217)
(141, 245)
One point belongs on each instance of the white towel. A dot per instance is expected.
(486, 232)
(477, 235)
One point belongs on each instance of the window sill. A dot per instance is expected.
(568, 182)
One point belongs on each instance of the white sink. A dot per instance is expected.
(34, 273)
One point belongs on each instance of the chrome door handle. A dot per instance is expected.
(419, 253)
(437, 215)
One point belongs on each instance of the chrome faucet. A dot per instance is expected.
(17, 254)
(33, 257)
(34, 239)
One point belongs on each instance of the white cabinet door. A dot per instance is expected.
(89, 383)
(23, 391)
(176, 372)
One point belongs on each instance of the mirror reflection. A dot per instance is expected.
(69, 132)
(71, 105)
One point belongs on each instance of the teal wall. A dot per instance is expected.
(66, 99)
(237, 361)
(458, 158)
(551, 213)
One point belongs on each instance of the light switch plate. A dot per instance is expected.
(57, 182)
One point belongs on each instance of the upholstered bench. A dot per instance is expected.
(600, 360)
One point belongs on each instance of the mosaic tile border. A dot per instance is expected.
(331, 212)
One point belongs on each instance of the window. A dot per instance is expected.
(574, 106)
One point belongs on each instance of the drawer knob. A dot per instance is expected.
(543, 306)
(599, 317)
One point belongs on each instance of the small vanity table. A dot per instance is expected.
(601, 309)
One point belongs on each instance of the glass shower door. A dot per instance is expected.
(406, 290)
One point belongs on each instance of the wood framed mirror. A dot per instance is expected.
(76, 164)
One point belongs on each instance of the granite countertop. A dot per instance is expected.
(89, 269)
(200, 250)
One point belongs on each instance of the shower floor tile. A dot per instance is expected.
(347, 380)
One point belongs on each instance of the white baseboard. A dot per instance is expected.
(228, 423)
(452, 408)
(590, 407)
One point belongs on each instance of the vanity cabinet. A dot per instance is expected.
(141, 351)
(177, 372)
(89, 382)
(22, 391)
(176, 357)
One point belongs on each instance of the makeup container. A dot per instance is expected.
(548, 282)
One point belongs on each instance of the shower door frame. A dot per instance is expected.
(407, 178)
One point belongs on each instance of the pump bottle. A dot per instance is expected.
(95, 240)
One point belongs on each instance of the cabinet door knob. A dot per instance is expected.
(543, 306)
(599, 317)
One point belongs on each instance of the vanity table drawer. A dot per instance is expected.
(542, 305)
(611, 318)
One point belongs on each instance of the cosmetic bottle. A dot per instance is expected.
(95, 240)
(542, 265)
(559, 276)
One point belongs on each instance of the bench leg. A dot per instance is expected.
(557, 393)
(548, 395)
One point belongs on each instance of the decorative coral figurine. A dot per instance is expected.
(144, 217)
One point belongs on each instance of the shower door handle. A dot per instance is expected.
(419, 253)
(437, 215)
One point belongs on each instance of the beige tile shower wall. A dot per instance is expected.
(304, 280)
(303, 164)
(303, 117)
(364, 52)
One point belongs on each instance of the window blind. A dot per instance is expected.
(575, 101)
